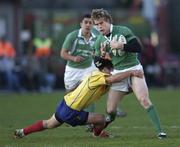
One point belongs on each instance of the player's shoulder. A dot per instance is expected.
(122, 30)
(73, 34)
(121, 27)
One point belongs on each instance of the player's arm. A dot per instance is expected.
(133, 44)
(66, 49)
(120, 76)
(67, 56)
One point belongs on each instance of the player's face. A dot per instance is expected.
(86, 24)
(103, 26)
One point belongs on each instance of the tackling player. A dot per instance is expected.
(71, 109)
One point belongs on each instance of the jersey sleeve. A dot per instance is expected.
(68, 42)
(97, 80)
(129, 35)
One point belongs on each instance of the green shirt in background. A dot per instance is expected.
(120, 59)
(77, 45)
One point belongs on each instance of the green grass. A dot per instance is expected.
(135, 130)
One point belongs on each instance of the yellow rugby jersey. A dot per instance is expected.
(90, 90)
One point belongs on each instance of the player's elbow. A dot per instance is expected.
(63, 53)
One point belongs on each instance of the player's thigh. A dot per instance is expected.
(141, 91)
(114, 97)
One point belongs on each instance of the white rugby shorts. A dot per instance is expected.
(73, 76)
(126, 83)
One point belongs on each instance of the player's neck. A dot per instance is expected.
(86, 35)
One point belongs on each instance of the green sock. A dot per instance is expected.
(154, 118)
(90, 108)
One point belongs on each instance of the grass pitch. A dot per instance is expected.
(135, 130)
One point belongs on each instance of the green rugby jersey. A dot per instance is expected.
(77, 45)
(120, 59)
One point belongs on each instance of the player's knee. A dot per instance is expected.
(48, 124)
(145, 102)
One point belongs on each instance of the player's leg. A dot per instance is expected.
(98, 121)
(140, 89)
(37, 126)
(120, 112)
(114, 97)
(116, 88)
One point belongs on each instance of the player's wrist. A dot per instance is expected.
(73, 58)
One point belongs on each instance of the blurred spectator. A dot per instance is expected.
(8, 75)
(41, 78)
(35, 76)
(170, 69)
(6, 48)
(149, 11)
(42, 45)
(30, 72)
(149, 61)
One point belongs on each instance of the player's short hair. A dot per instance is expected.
(100, 63)
(97, 14)
(86, 15)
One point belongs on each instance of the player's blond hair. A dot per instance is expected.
(101, 13)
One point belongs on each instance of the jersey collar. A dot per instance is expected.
(81, 36)
(110, 37)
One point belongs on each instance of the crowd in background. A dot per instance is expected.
(34, 71)
(31, 62)
(37, 70)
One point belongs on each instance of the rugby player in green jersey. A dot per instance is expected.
(120, 45)
(77, 49)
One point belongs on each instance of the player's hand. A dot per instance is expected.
(138, 73)
(116, 44)
(103, 49)
(78, 58)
